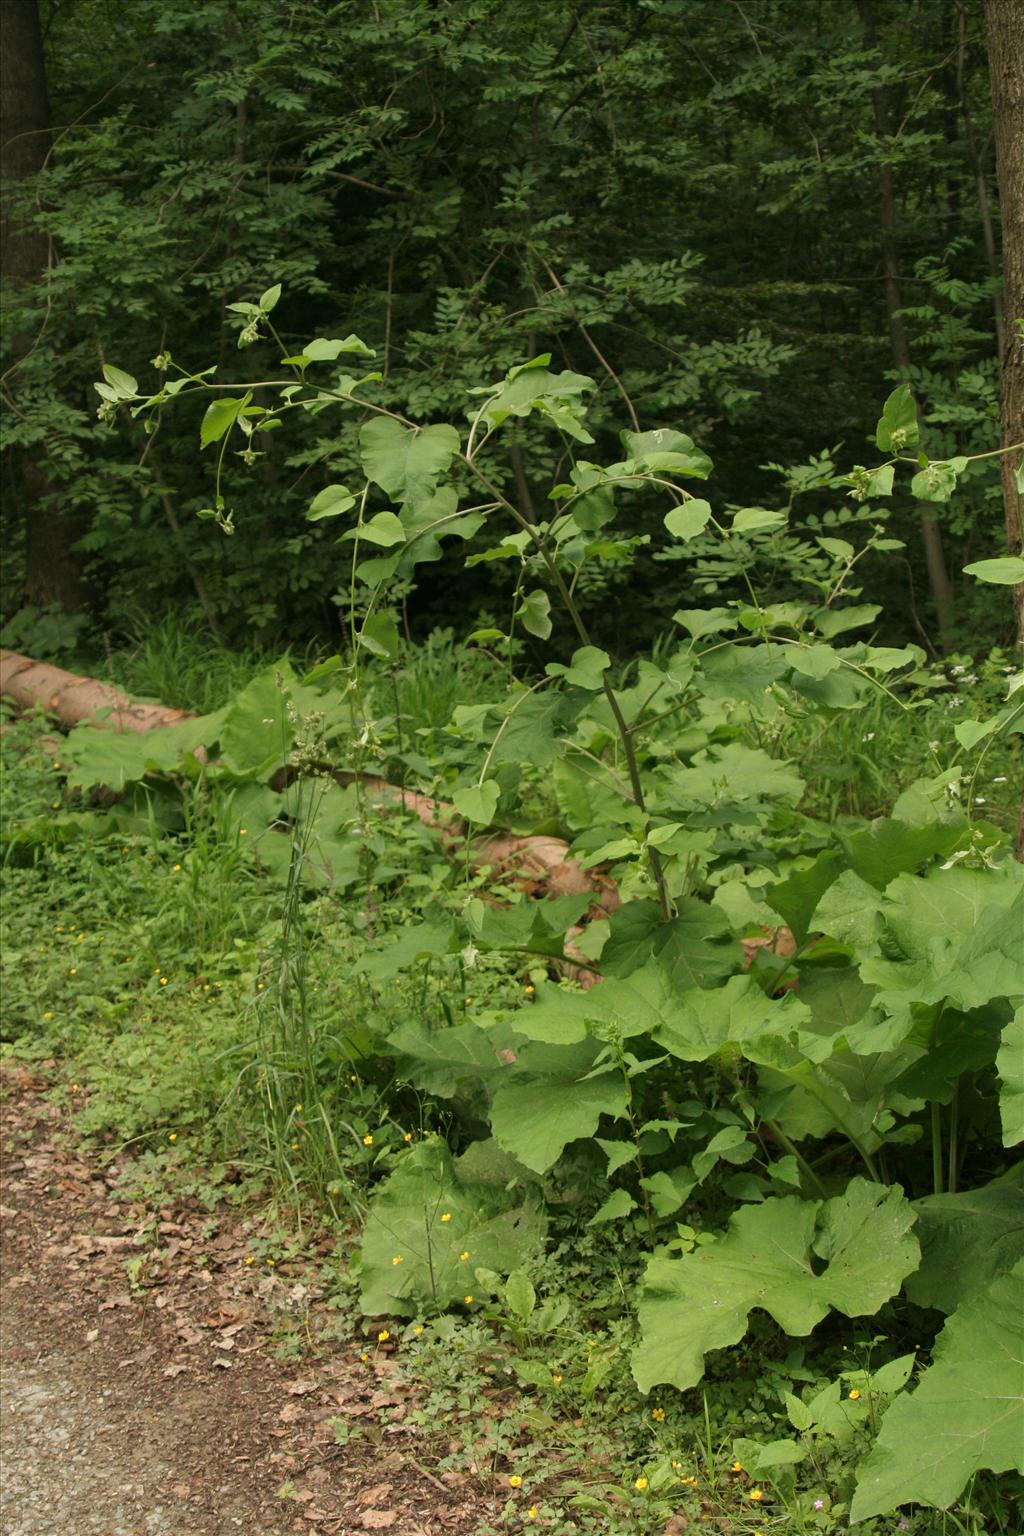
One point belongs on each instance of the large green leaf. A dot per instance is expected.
(701, 1021)
(966, 1415)
(665, 452)
(851, 912)
(442, 1220)
(586, 669)
(701, 1301)
(733, 773)
(259, 732)
(965, 970)
(118, 759)
(695, 948)
(796, 897)
(404, 461)
(533, 387)
(419, 941)
(897, 428)
(444, 1061)
(536, 1118)
(945, 903)
(887, 847)
(1005, 571)
(966, 1240)
(1010, 1066)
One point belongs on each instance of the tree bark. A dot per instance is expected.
(931, 532)
(53, 570)
(1004, 20)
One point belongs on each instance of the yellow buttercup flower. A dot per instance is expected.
(640, 1483)
(756, 1495)
(515, 1481)
(398, 1259)
(557, 1380)
(383, 1336)
(658, 1414)
(407, 1136)
(468, 1300)
(446, 1216)
(737, 1466)
(367, 1140)
(173, 1136)
(532, 1512)
(854, 1395)
(464, 1255)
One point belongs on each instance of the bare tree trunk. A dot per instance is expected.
(974, 155)
(1005, 22)
(931, 533)
(53, 570)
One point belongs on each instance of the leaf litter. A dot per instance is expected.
(141, 1396)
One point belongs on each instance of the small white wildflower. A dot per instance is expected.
(957, 671)
(980, 800)
(1000, 778)
(869, 737)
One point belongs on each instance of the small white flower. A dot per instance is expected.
(980, 800)
(869, 737)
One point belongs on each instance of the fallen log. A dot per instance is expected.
(74, 700)
(541, 862)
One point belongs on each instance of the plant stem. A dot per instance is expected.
(808, 1171)
(632, 764)
(954, 1116)
(936, 1117)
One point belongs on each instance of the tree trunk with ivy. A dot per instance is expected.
(53, 571)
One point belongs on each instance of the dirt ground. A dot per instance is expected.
(141, 1395)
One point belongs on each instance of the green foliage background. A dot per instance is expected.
(681, 203)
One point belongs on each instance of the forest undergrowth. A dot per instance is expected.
(246, 1028)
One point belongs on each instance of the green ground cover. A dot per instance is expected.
(281, 991)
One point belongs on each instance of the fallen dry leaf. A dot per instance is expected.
(378, 1519)
(375, 1495)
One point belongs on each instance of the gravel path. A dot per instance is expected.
(141, 1392)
